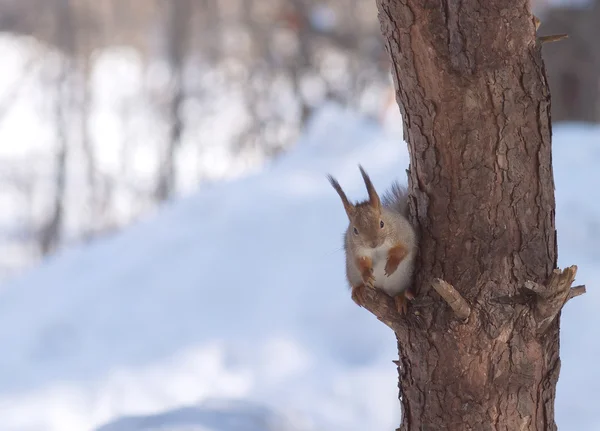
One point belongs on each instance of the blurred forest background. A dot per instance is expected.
(109, 108)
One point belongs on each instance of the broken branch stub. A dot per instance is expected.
(550, 298)
(454, 299)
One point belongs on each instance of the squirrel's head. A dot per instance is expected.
(367, 227)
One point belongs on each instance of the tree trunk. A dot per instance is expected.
(50, 235)
(178, 19)
(472, 90)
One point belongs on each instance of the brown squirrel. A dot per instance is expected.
(380, 243)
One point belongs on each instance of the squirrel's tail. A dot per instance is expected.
(396, 198)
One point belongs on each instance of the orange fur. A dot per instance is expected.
(365, 266)
(401, 303)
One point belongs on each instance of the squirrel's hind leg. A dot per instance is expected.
(401, 301)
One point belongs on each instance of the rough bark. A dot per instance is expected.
(472, 90)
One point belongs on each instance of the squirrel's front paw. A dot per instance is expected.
(391, 265)
(365, 265)
(395, 256)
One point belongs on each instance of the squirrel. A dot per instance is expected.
(380, 243)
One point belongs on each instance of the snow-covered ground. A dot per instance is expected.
(210, 416)
(238, 293)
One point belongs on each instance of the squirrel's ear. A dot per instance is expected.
(347, 205)
(373, 196)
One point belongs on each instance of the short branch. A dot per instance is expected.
(576, 291)
(452, 297)
(552, 38)
(383, 307)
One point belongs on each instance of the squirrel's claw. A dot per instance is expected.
(401, 303)
(409, 293)
(390, 267)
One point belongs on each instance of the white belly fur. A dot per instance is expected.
(398, 281)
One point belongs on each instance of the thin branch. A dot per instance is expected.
(545, 39)
(552, 38)
(452, 297)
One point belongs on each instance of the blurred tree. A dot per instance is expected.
(177, 16)
(84, 35)
(479, 347)
(65, 37)
(260, 67)
(573, 65)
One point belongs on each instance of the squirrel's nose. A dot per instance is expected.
(374, 244)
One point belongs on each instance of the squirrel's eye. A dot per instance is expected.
(381, 224)
(355, 231)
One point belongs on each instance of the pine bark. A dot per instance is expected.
(472, 90)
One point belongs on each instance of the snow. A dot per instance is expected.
(238, 293)
(202, 300)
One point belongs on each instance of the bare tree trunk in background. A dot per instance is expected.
(303, 59)
(574, 64)
(210, 36)
(83, 49)
(51, 230)
(178, 18)
(472, 89)
(88, 145)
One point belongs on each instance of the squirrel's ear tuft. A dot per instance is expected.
(373, 196)
(347, 205)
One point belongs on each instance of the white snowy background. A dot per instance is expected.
(227, 310)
